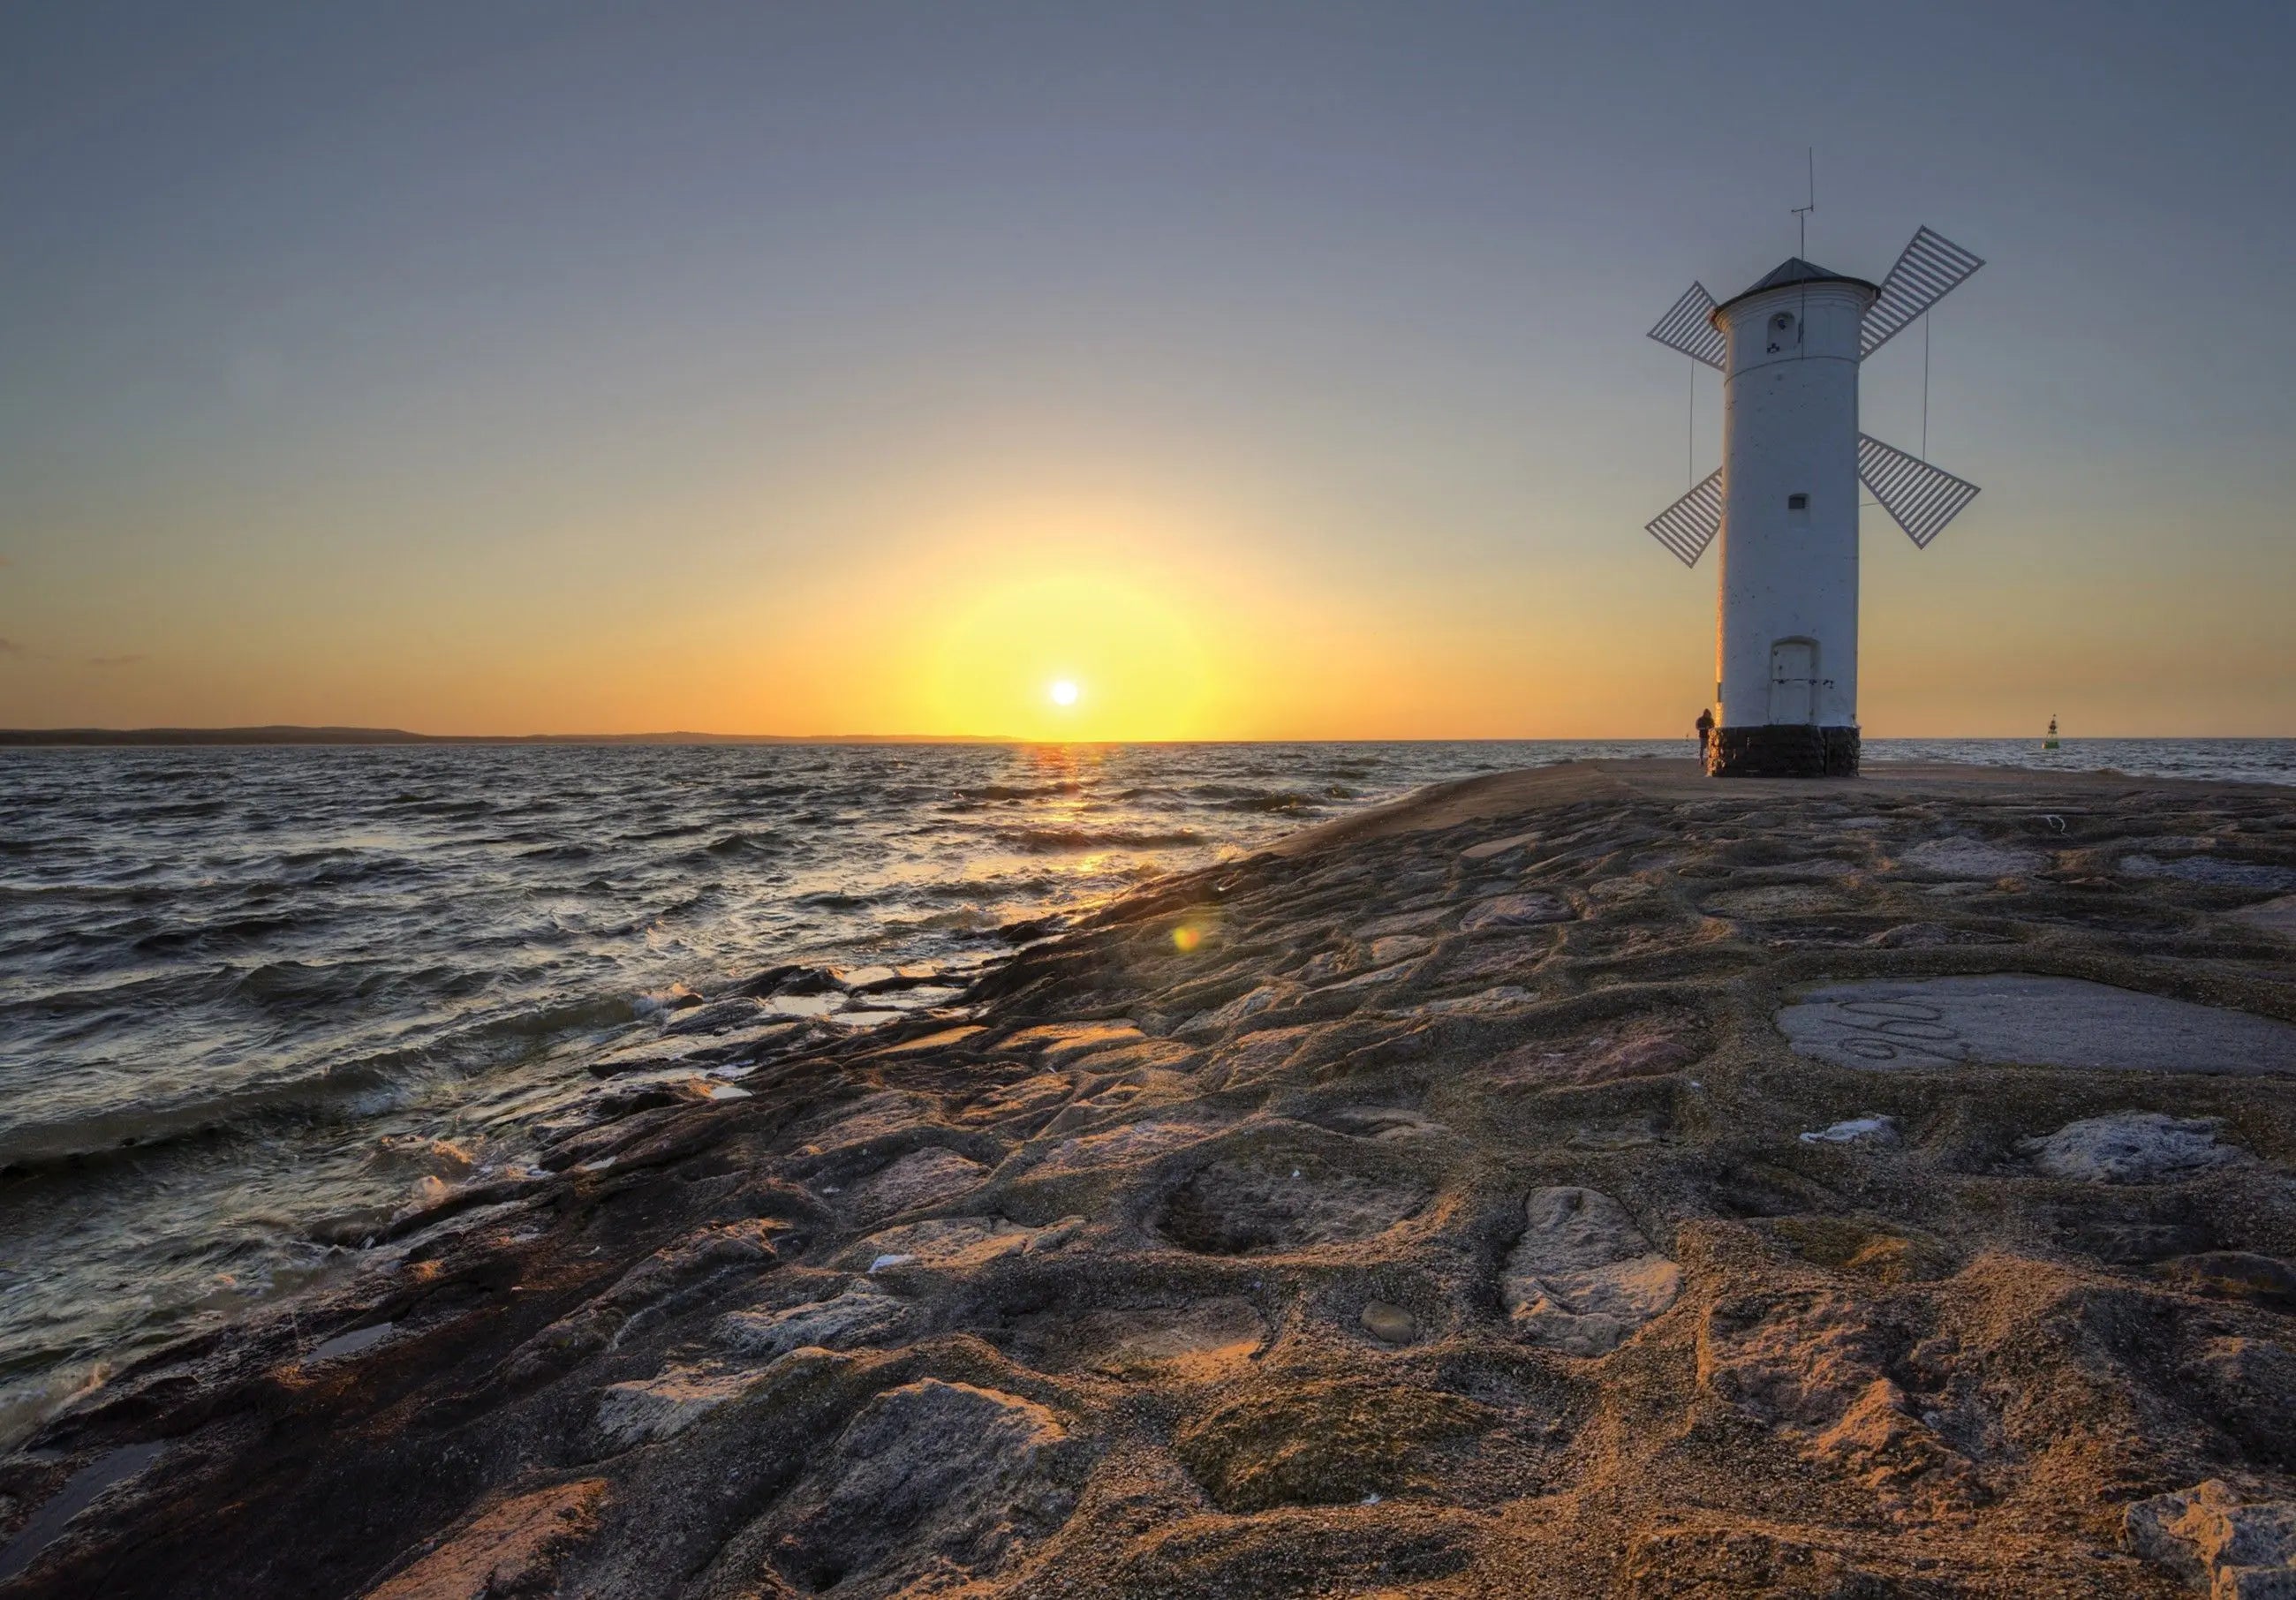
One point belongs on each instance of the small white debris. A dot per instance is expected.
(1372, 1498)
(1855, 1130)
(884, 1262)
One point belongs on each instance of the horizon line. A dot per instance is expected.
(302, 733)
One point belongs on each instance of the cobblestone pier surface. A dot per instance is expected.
(1599, 1180)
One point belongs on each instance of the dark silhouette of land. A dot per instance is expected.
(289, 734)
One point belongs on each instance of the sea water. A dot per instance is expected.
(250, 996)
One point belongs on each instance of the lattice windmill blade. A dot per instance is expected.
(1930, 267)
(1689, 525)
(1689, 327)
(1921, 498)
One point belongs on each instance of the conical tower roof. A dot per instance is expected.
(1794, 270)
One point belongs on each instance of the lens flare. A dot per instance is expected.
(1185, 939)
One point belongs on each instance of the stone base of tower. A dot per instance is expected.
(1782, 750)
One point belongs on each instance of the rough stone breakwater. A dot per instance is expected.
(1598, 1181)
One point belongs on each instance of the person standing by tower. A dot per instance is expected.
(1705, 731)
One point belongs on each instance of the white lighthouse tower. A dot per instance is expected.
(1785, 497)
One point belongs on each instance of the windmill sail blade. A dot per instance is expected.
(1921, 498)
(1929, 268)
(1689, 525)
(1689, 327)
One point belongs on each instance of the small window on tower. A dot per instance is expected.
(1797, 502)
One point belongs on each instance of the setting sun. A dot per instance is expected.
(1064, 693)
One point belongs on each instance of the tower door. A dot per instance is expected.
(1793, 680)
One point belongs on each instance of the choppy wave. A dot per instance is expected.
(1041, 840)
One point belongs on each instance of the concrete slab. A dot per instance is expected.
(2022, 1018)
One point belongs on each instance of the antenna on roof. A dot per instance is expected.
(1803, 212)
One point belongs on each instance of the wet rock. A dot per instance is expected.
(932, 1484)
(1322, 1443)
(1583, 1277)
(2207, 1536)
(350, 1343)
(659, 1055)
(437, 1157)
(78, 1492)
(515, 1548)
(861, 1313)
(2130, 1147)
(717, 1017)
(789, 979)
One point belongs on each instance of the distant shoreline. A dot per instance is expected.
(20, 737)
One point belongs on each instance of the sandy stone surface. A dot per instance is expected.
(1600, 1181)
